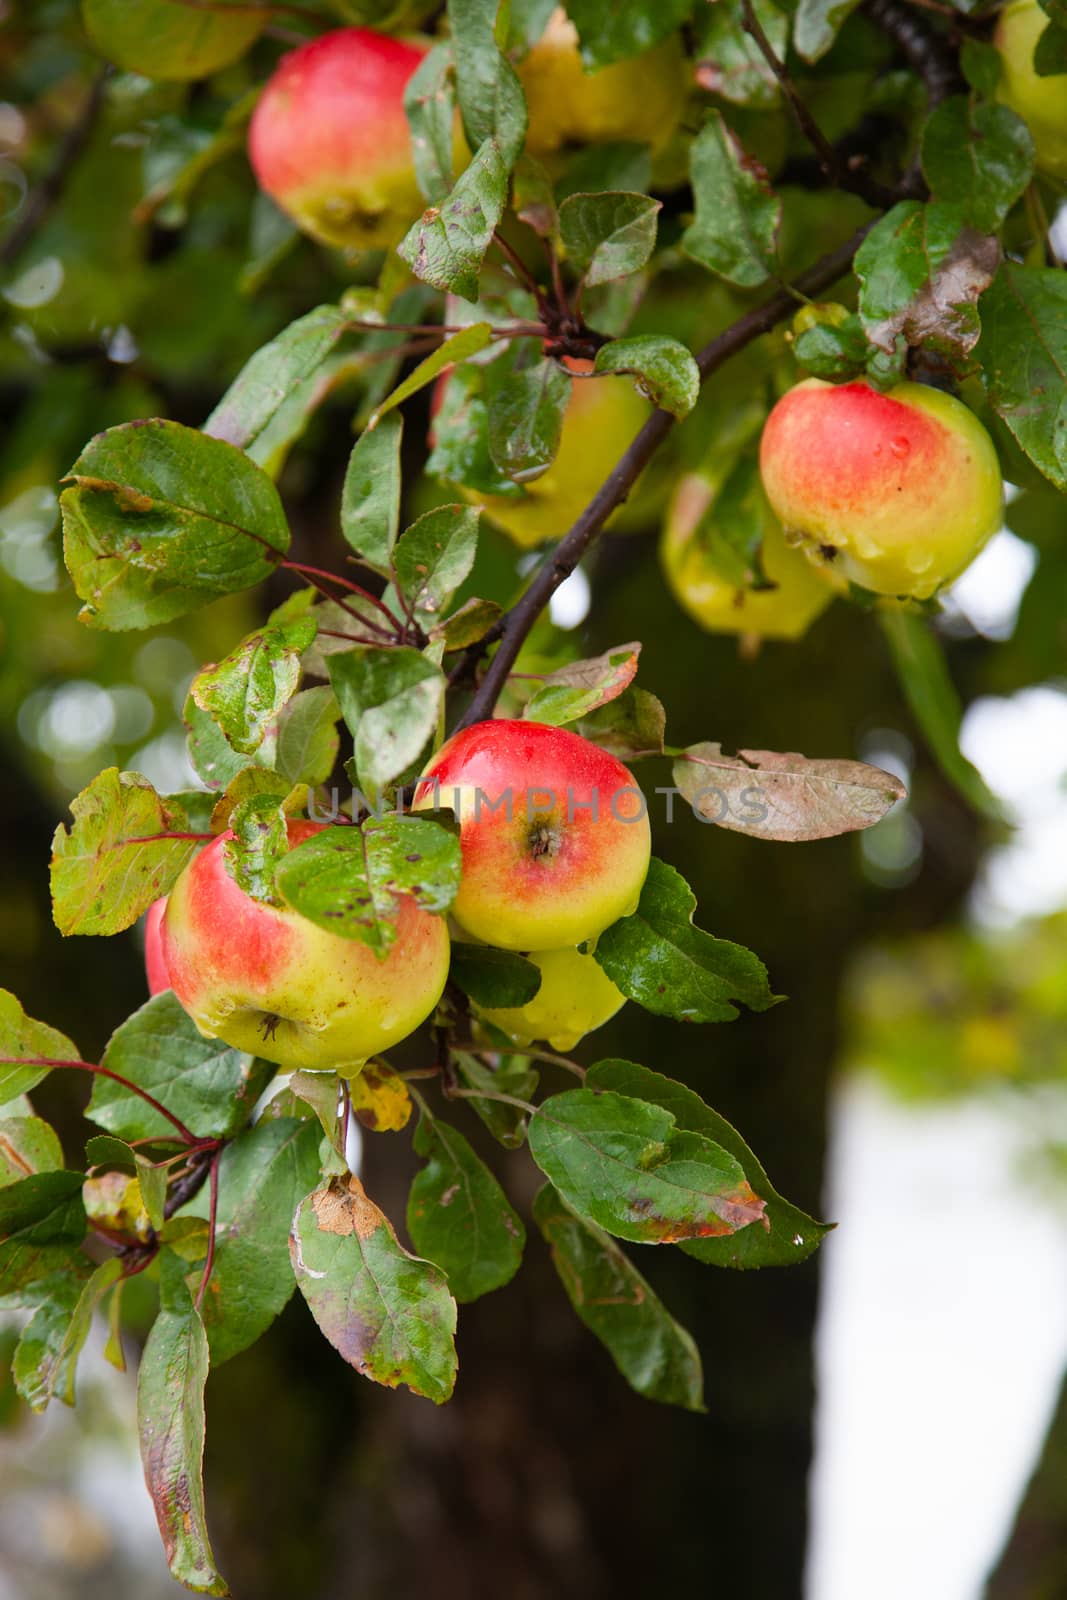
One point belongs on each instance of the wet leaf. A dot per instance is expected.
(455, 349)
(612, 32)
(527, 403)
(921, 270)
(246, 691)
(430, 105)
(308, 741)
(980, 157)
(658, 958)
(445, 248)
(608, 236)
(434, 558)
(629, 727)
(42, 1224)
(23, 1038)
(664, 369)
(1023, 353)
(266, 381)
(390, 700)
(735, 230)
(491, 98)
(493, 977)
(580, 688)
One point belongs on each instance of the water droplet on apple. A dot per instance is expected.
(900, 445)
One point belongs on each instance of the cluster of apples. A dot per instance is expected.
(555, 846)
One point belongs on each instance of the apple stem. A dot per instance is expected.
(187, 1135)
(502, 1099)
(213, 1211)
(539, 1055)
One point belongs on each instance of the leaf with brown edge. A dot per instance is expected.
(389, 1314)
(583, 687)
(789, 797)
(117, 858)
(623, 1164)
(170, 1422)
(380, 1098)
(921, 270)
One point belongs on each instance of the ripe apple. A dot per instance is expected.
(270, 982)
(897, 491)
(1041, 102)
(576, 996)
(714, 598)
(154, 965)
(330, 143)
(640, 99)
(169, 40)
(602, 418)
(554, 833)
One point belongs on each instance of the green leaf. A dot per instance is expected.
(430, 106)
(390, 700)
(613, 32)
(446, 246)
(33, 1366)
(23, 1039)
(214, 760)
(835, 352)
(457, 348)
(389, 1314)
(113, 863)
(730, 63)
(980, 64)
(491, 98)
(924, 677)
(790, 1235)
(247, 690)
(1050, 52)
(27, 1145)
(164, 519)
(206, 1084)
(921, 269)
(64, 1362)
(816, 26)
(981, 157)
(251, 783)
(533, 197)
(735, 230)
(664, 369)
(470, 623)
(509, 1074)
(629, 727)
(308, 741)
(434, 557)
(654, 1353)
(370, 501)
(458, 1215)
(351, 880)
(658, 958)
(162, 40)
(267, 380)
(608, 236)
(493, 977)
(460, 451)
(42, 1224)
(625, 1165)
(260, 842)
(170, 1421)
(785, 797)
(1023, 354)
(527, 398)
(263, 1176)
(581, 687)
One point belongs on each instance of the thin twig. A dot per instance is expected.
(319, 583)
(40, 200)
(513, 627)
(856, 182)
(105, 1072)
(212, 1220)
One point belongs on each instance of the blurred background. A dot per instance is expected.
(884, 1420)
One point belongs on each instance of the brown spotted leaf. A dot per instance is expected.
(784, 796)
(380, 1098)
(389, 1314)
(170, 1421)
(922, 269)
(624, 1164)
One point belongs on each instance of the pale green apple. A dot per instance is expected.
(576, 996)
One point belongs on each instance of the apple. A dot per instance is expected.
(168, 39)
(1041, 102)
(329, 141)
(713, 597)
(897, 491)
(576, 996)
(154, 965)
(554, 833)
(640, 99)
(603, 417)
(268, 981)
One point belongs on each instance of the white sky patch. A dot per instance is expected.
(569, 606)
(929, 1421)
(990, 592)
